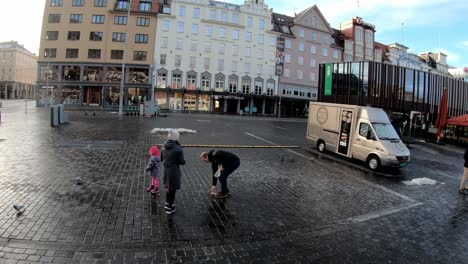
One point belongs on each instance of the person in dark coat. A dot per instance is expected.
(223, 163)
(464, 181)
(172, 157)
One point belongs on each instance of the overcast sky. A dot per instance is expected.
(421, 25)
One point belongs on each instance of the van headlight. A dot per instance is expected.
(390, 156)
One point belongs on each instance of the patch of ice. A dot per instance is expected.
(180, 130)
(420, 181)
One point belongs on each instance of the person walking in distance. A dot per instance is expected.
(153, 169)
(223, 163)
(172, 157)
(464, 181)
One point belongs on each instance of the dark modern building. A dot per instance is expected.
(398, 90)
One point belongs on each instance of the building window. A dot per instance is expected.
(52, 35)
(180, 27)
(245, 88)
(247, 67)
(194, 45)
(194, 28)
(286, 73)
(248, 51)
(122, 4)
(116, 54)
(162, 59)
(213, 14)
(182, 11)
(207, 47)
(76, 18)
(205, 82)
(235, 18)
(118, 37)
(248, 36)
(164, 42)
(312, 76)
(313, 63)
(335, 54)
(261, 39)
(219, 84)
(300, 60)
(300, 46)
(209, 31)
(141, 38)
(56, 3)
(235, 50)
(235, 34)
(191, 79)
(313, 49)
(78, 3)
(314, 37)
(50, 53)
(179, 43)
(301, 33)
(232, 86)
(314, 22)
(287, 43)
(287, 58)
(178, 60)
(97, 19)
(206, 64)
(224, 16)
(259, 53)
(54, 18)
(249, 21)
(272, 41)
(359, 35)
(196, 12)
(259, 69)
(324, 39)
(261, 24)
(139, 55)
(193, 62)
(325, 52)
(120, 20)
(162, 80)
(95, 36)
(71, 53)
(165, 25)
(94, 54)
(300, 75)
(73, 35)
(100, 3)
(221, 48)
(143, 21)
(176, 80)
(222, 32)
(234, 66)
(145, 6)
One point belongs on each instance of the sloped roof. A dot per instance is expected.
(282, 23)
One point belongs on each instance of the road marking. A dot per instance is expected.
(367, 216)
(281, 128)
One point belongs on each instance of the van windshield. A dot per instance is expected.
(385, 131)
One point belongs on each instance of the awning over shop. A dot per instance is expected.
(458, 120)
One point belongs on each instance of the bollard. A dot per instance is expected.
(54, 116)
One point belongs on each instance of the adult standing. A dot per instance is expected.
(464, 181)
(172, 157)
(226, 163)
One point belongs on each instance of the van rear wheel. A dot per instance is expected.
(373, 162)
(321, 146)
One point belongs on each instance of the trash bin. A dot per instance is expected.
(62, 115)
(54, 119)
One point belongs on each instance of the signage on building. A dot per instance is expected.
(279, 56)
(328, 79)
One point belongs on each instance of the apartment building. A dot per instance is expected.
(85, 43)
(398, 55)
(216, 56)
(18, 69)
(358, 41)
(305, 41)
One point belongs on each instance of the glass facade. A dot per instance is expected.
(393, 88)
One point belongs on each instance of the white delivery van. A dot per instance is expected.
(363, 133)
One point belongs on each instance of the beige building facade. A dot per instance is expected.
(82, 52)
(18, 71)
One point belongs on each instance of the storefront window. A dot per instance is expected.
(190, 102)
(136, 96)
(161, 100)
(175, 101)
(113, 74)
(92, 95)
(71, 95)
(71, 73)
(204, 102)
(111, 95)
(93, 74)
(49, 73)
(138, 75)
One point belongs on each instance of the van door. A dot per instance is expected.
(363, 146)
(344, 139)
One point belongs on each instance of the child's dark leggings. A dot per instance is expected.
(170, 197)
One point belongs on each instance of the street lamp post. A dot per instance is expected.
(279, 102)
(122, 78)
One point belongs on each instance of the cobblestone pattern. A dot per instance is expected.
(83, 188)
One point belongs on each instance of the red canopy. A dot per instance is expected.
(441, 121)
(458, 120)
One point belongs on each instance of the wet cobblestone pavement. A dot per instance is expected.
(83, 187)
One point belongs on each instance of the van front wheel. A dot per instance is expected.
(321, 146)
(373, 162)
